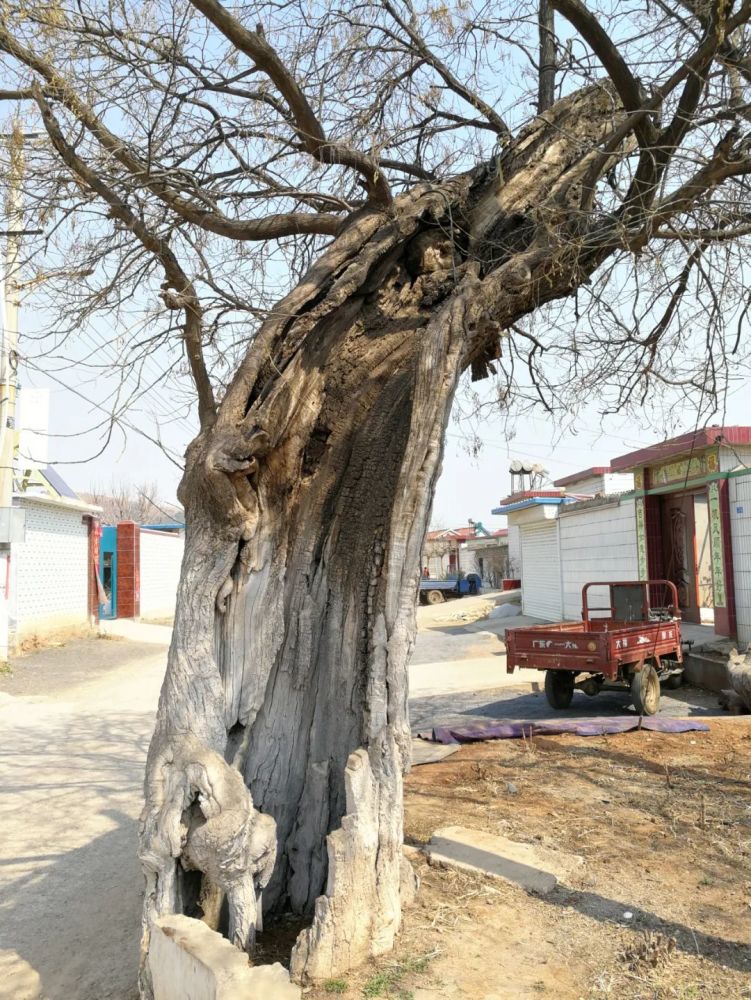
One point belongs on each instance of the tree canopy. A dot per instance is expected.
(193, 159)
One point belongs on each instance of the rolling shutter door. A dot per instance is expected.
(541, 571)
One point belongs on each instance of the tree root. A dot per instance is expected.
(200, 812)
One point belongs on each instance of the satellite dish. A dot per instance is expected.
(516, 466)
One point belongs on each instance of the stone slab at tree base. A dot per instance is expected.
(189, 961)
(533, 868)
(424, 752)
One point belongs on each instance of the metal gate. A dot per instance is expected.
(541, 571)
(108, 572)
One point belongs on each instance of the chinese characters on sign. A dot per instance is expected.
(641, 539)
(547, 643)
(715, 544)
(685, 469)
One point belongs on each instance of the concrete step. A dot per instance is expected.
(706, 669)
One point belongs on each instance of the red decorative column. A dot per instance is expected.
(722, 559)
(128, 570)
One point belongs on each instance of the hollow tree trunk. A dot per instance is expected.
(306, 506)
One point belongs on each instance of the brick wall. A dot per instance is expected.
(128, 570)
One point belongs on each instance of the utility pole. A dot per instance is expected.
(8, 375)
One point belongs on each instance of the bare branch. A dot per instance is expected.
(270, 227)
(629, 90)
(497, 123)
(179, 292)
(307, 126)
(547, 67)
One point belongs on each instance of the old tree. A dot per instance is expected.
(335, 210)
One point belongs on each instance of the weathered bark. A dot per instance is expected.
(306, 504)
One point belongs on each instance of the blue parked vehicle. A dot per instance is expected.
(437, 591)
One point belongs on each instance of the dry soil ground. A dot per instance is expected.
(661, 904)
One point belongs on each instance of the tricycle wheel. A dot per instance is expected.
(559, 688)
(674, 681)
(434, 597)
(645, 690)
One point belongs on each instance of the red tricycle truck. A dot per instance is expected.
(633, 643)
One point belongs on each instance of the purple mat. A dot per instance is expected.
(601, 726)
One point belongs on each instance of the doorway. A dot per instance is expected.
(108, 572)
(703, 550)
(687, 559)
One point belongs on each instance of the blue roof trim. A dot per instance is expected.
(531, 502)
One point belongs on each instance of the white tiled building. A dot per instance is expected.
(51, 570)
(562, 540)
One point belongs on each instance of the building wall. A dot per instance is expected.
(610, 482)
(492, 562)
(161, 557)
(618, 482)
(514, 551)
(731, 459)
(438, 565)
(468, 560)
(597, 543)
(590, 485)
(740, 531)
(128, 570)
(50, 571)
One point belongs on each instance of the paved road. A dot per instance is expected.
(458, 675)
(75, 728)
(517, 702)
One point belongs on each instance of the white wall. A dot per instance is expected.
(161, 556)
(731, 459)
(50, 570)
(610, 482)
(437, 566)
(597, 543)
(740, 530)
(618, 482)
(514, 551)
(468, 560)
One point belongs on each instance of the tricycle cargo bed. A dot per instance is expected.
(599, 645)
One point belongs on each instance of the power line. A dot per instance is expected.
(116, 419)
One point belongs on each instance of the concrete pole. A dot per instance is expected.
(8, 373)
